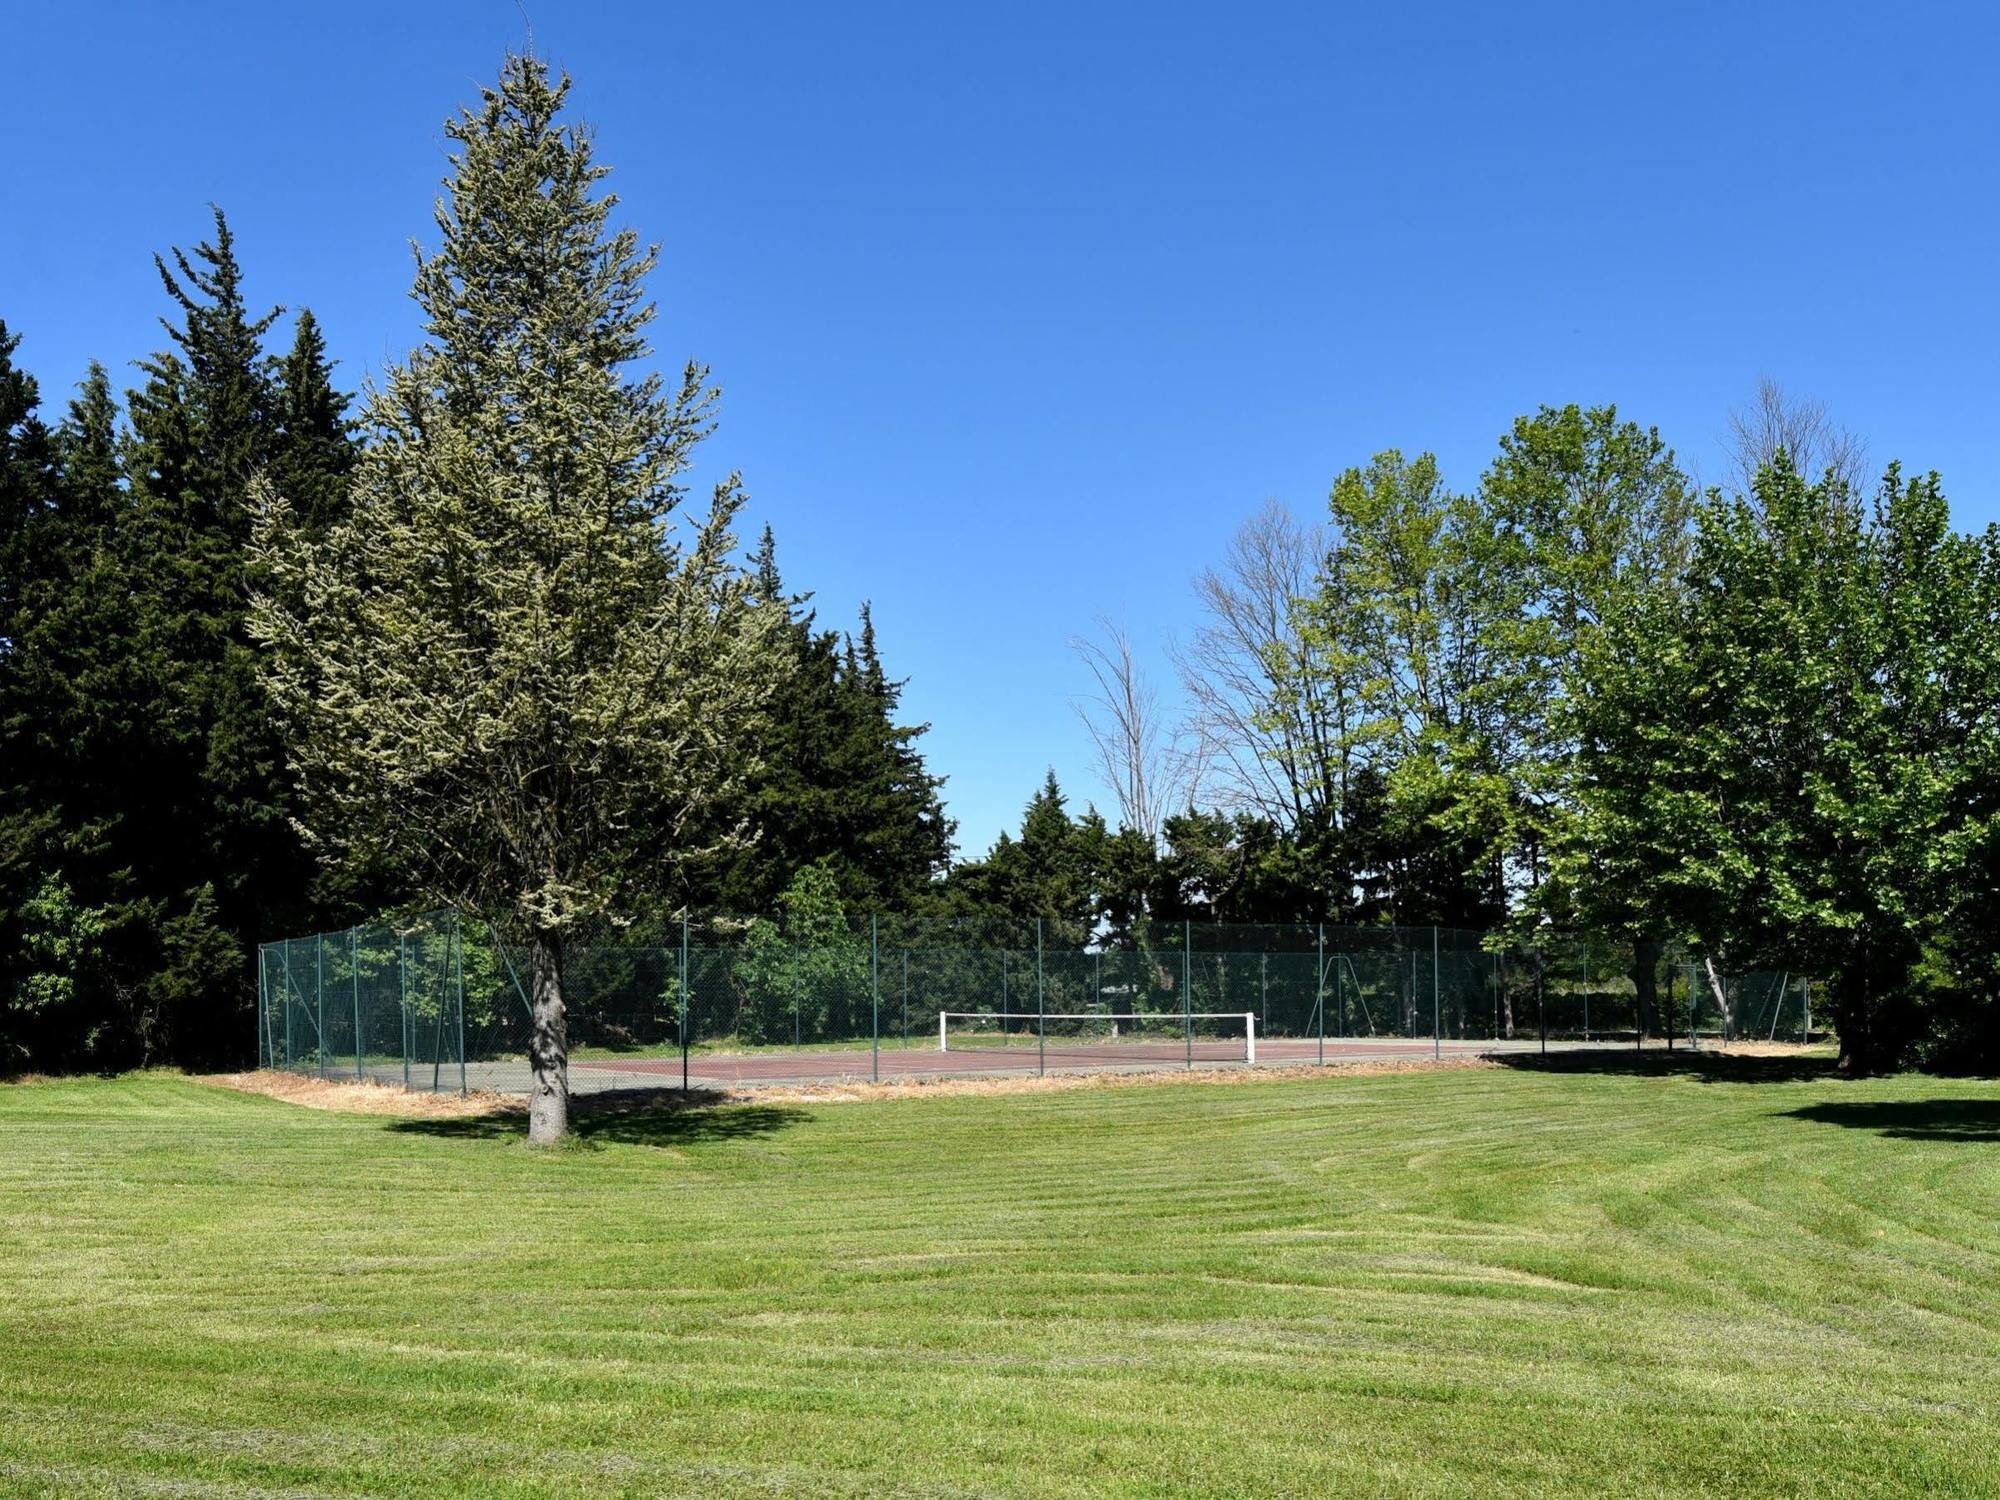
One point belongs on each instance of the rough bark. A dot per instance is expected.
(548, 1045)
(1721, 993)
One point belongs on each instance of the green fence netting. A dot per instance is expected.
(439, 1000)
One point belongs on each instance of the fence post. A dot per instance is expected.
(354, 978)
(906, 998)
(1542, 998)
(1586, 991)
(458, 984)
(795, 994)
(285, 1000)
(1187, 987)
(1437, 1016)
(1041, 1010)
(1339, 998)
(319, 995)
(1638, 1010)
(686, 1010)
(403, 999)
(875, 999)
(1319, 986)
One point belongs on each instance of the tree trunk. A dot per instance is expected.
(1645, 985)
(1720, 992)
(548, 1045)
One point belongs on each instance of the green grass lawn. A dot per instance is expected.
(1461, 1282)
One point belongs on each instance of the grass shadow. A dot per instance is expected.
(1706, 1067)
(1972, 1120)
(627, 1117)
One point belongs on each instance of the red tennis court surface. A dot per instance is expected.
(752, 1068)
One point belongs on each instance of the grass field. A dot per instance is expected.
(1462, 1282)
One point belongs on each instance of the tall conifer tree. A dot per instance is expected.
(509, 669)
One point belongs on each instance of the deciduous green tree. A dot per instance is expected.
(1787, 757)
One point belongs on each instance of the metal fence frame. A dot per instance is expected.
(428, 1000)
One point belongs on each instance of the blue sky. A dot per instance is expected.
(1019, 310)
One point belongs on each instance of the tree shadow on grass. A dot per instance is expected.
(1973, 1120)
(627, 1117)
(1705, 1067)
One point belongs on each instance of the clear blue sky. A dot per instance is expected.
(1019, 310)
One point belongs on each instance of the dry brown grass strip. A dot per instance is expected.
(352, 1097)
(1056, 1083)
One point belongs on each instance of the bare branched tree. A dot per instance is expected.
(1802, 427)
(1271, 721)
(1145, 762)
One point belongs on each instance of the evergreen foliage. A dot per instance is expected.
(493, 662)
(841, 785)
(509, 669)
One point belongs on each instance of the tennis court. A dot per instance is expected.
(438, 1002)
(1020, 1058)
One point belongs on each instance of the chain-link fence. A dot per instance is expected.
(440, 1001)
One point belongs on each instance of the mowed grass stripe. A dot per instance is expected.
(1463, 1282)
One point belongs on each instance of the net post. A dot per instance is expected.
(354, 981)
(875, 1001)
(1586, 991)
(684, 1004)
(1041, 1010)
(906, 996)
(1437, 1016)
(1319, 987)
(1250, 1038)
(941, 1020)
(1187, 987)
(458, 984)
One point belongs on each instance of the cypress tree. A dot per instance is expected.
(513, 670)
(213, 854)
(68, 680)
(315, 447)
(843, 787)
(27, 488)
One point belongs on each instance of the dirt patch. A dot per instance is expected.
(1766, 1049)
(351, 1097)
